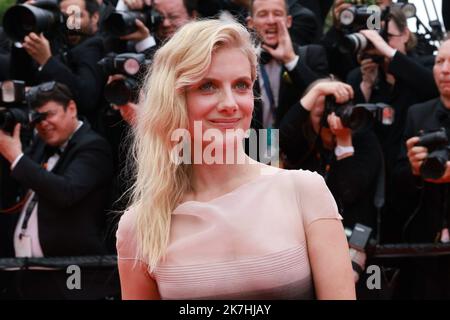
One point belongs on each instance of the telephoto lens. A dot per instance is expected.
(22, 19)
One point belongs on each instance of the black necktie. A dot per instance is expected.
(50, 151)
(265, 57)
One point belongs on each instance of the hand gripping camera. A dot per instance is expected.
(41, 16)
(436, 141)
(357, 18)
(14, 106)
(121, 23)
(357, 116)
(132, 66)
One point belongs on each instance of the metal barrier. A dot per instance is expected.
(12, 264)
(409, 250)
(393, 250)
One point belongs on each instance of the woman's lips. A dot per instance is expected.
(225, 123)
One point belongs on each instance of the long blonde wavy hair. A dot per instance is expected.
(159, 182)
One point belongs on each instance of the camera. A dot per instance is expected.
(356, 18)
(132, 66)
(436, 141)
(13, 107)
(357, 116)
(357, 15)
(359, 239)
(120, 23)
(41, 16)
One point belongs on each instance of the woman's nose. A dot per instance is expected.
(228, 101)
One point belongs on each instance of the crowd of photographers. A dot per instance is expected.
(363, 101)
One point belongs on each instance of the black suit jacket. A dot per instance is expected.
(77, 69)
(306, 28)
(319, 7)
(72, 197)
(312, 65)
(446, 14)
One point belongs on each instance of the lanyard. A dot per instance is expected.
(34, 200)
(28, 212)
(268, 90)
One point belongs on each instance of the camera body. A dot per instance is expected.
(41, 16)
(436, 141)
(357, 116)
(13, 106)
(121, 23)
(130, 65)
(356, 18)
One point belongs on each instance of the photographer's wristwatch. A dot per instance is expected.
(340, 150)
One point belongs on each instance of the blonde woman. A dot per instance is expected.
(221, 231)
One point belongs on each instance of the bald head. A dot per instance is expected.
(441, 70)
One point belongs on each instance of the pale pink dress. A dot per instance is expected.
(246, 244)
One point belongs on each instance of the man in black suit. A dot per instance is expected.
(429, 277)
(306, 27)
(67, 173)
(446, 14)
(286, 69)
(72, 61)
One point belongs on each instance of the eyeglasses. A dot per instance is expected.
(41, 88)
(37, 117)
(33, 92)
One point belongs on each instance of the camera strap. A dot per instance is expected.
(380, 192)
(28, 212)
(48, 153)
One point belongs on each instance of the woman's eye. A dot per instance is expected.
(207, 86)
(242, 85)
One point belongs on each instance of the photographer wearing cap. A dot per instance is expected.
(67, 172)
(313, 137)
(423, 174)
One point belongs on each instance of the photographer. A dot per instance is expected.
(399, 79)
(349, 161)
(67, 172)
(173, 15)
(392, 73)
(341, 61)
(72, 62)
(120, 142)
(419, 176)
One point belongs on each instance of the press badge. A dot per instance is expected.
(23, 246)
